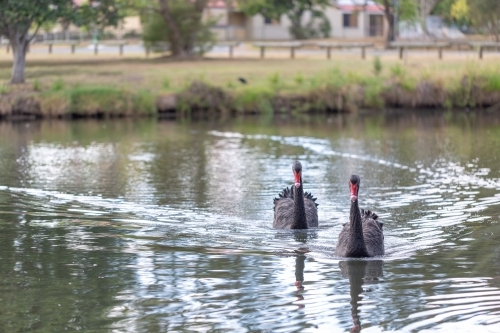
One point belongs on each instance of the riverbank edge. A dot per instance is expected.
(110, 102)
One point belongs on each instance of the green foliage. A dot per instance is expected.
(275, 80)
(166, 83)
(17, 18)
(108, 101)
(401, 77)
(36, 85)
(4, 89)
(299, 79)
(377, 65)
(96, 15)
(196, 35)
(407, 10)
(92, 101)
(460, 10)
(485, 15)
(335, 78)
(317, 26)
(255, 99)
(373, 94)
(58, 85)
(397, 70)
(453, 11)
(492, 82)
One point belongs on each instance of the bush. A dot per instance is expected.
(196, 35)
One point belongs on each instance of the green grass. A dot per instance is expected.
(91, 101)
(4, 89)
(37, 85)
(58, 85)
(130, 87)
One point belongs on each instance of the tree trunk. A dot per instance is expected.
(176, 42)
(19, 46)
(389, 15)
(296, 29)
(426, 8)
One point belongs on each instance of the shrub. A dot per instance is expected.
(196, 34)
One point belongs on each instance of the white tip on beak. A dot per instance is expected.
(297, 185)
(354, 198)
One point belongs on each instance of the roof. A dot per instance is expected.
(219, 4)
(359, 5)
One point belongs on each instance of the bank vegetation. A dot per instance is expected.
(241, 87)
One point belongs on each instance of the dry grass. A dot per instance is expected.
(137, 71)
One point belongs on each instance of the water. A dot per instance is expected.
(165, 226)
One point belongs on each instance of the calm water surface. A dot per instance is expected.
(165, 226)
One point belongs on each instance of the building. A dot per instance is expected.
(349, 19)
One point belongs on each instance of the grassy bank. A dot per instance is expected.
(109, 87)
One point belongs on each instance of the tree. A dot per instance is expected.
(485, 14)
(98, 14)
(294, 10)
(181, 44)
(389, 12)
(194, 34)
(183, 24)
(459, 10)
(426, 7)
(18, 17)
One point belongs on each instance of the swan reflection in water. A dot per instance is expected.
(300, 262)
(359, 272)
(299, 252)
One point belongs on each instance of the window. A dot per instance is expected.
(268, 20)
(351, 20)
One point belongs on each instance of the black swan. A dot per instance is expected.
(363, 235)
(294, 209)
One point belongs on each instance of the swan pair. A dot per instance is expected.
(361, 237)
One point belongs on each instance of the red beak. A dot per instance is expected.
(354, 192)
(296, 177)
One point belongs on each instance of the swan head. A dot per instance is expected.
(354, 182)
(297, 173)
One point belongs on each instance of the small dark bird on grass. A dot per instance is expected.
(242, 80)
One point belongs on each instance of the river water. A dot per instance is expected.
(166, 226)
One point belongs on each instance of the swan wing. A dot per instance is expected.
(372, 233)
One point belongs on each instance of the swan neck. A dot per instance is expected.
(299, 211)
(357, 246)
